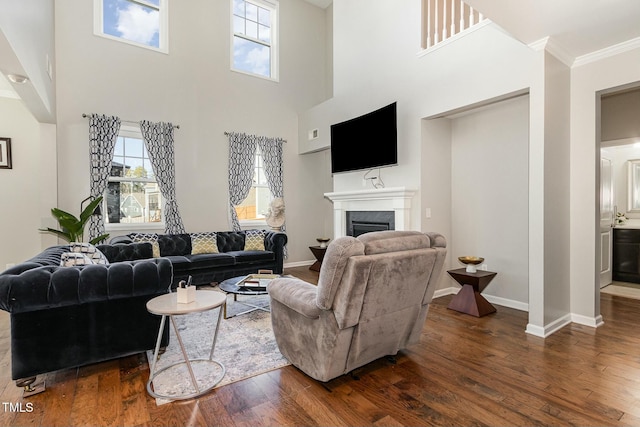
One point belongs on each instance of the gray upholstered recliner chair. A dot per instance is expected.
(371, 301)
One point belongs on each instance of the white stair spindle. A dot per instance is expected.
(471, 16)
(428, 23)
(480, 18)
(453, 17)
(462, 27)
(444, 20)
(436, 28)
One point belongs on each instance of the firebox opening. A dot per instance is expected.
(360, 222)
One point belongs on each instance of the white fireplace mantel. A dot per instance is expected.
(397, 199)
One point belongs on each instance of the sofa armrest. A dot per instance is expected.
(50, 286)
(275, 241)
(296, 294)
(126, 251)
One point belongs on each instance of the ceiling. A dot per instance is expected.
(578, 27)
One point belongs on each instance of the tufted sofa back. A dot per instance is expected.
(231, 241)
(180, 244)
(174, 244)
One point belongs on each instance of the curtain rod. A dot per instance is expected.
(229, 133)
(84, 115)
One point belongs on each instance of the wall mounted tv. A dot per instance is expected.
(365, 142)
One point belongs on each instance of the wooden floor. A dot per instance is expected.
(464, 372)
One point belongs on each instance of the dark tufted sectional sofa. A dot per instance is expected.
(63, 317)
(231, 260)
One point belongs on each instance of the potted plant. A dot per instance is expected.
(72, 228)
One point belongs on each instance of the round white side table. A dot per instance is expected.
(167, 306)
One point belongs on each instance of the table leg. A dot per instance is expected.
(215, 333)
(157, 349)
(184, 354)
(470, 301)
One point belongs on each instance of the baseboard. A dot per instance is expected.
(517, 305)
(550, 328)
(504, 302)
(445, 291)
(298, 264)
(539, 331)
(593, 322)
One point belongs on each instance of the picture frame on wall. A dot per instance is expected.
(5, 153)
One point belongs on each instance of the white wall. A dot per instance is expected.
(28, 190)
(474, 70)
(587, 83)
(556, 219)
(193, 86)
(480, 68)
(490, 211)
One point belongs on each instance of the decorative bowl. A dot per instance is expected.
(471, 262)
(323, 241)
(474, 260)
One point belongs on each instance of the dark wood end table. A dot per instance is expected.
(468, 300)
(317, 252)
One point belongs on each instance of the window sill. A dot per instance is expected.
(254, 223)
(135, 227)
(260, 76)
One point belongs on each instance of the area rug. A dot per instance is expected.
(245, 346)
(622, 289)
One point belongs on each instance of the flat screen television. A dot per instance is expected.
(365, 142)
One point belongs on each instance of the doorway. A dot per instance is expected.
(619, 140)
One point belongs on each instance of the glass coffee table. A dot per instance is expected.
(233, 286)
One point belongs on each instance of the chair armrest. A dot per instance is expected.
(296, 294)
(437, 239)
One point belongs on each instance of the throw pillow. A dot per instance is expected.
(254, 240)
(89, 250)
(204, 243)
(147, 237)
(70, 259)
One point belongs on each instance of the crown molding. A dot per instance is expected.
(557, 50)
(607, 52)
(554, 48)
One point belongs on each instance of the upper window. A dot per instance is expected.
(132, 195)
(256, 205)
(254, 39)
(140, 22)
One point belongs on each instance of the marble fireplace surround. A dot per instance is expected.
(396, 199)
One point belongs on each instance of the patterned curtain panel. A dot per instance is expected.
(242, 154)
(158, 138)
(103, 133)
(271, 149)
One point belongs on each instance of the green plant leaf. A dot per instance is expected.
(61, 234)
(72, 228)
(88, 211)
(59, 213)
(99, 239)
